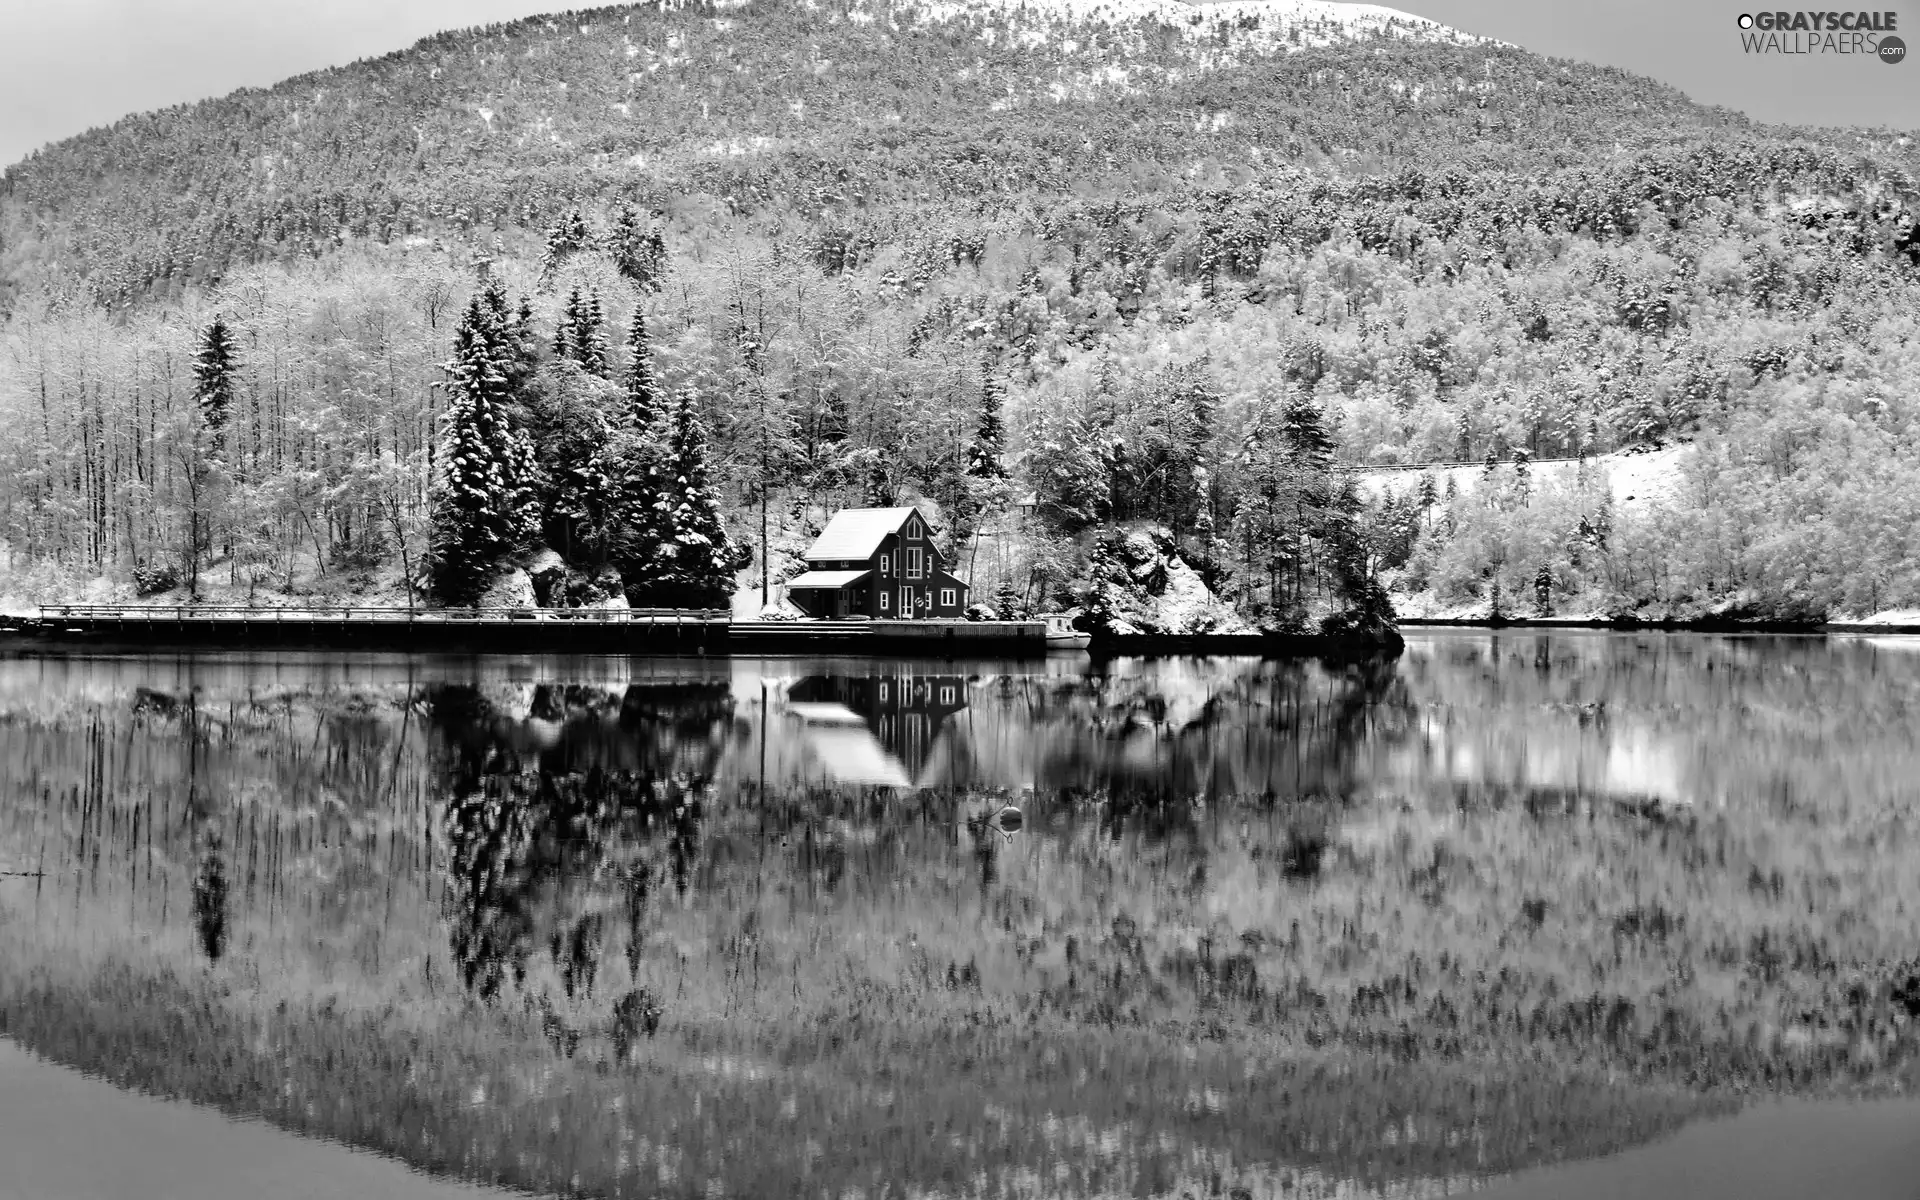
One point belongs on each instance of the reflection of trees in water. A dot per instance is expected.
(536, 818)
(1155, 741)
(210, 899)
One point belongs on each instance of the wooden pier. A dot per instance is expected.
(515, 630)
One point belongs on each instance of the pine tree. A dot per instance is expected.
(484, 504)
(638, 253)
(213, 382)
(1305, 432)
(566, 326)
(642, 391)
(585, 342)
(564, 240)
(511, 334)
(1198, 402)
(1426, 497)
(1543, 591)
(1007, 603)
(983, 454)
(696, 558)
(877, 489)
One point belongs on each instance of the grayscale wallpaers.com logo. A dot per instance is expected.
(1823, 33)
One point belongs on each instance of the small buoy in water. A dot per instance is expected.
(1009, 818)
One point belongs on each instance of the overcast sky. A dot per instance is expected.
(68, 65)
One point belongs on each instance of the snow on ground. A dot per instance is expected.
(1892, 616)
(1257, 24)
(1639, 480)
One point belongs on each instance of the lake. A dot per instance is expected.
(1541, 912)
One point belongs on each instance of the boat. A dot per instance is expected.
(1061, 635)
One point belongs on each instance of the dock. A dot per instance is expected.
(648, 631)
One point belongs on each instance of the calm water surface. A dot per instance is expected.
(1530, 911)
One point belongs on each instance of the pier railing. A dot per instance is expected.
(183, 613)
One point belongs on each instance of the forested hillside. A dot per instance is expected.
(1156, 265)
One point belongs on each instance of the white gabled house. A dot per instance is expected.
(880, 563)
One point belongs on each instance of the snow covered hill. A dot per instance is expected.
(1639, 480)
(1261, 26)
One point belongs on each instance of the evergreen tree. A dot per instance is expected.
(511, 334)
(983, 454)
(1426, 497)
(214, 366)
(589, 343)
(565, 239)
(590, 505)
(1198, 402)
(213, 381)
(1543, 591)
(1305, 432)
(696, 559)
(1603, 522)
(577, 335)
(877, 491)
(643, 405)
(639, 253)
(1007, 604)
(484, 503)
(566, 326)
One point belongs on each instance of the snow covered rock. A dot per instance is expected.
(1186, 606)
(1139, 583)
(512, 588)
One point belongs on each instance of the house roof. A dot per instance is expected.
(855, 533)
(825, 713)
(826, 579)
(852, 754)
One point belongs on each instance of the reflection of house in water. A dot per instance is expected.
(878, 729)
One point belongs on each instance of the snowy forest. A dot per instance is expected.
(657, 288)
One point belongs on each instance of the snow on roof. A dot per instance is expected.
(826, 579)
(855, 533)
(825, 713)
(853, 755)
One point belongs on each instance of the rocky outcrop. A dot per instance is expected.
(511, 588)
(558, 584)
(1138, 583)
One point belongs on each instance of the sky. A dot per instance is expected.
(69, 65)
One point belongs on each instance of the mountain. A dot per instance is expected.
(1157, 224)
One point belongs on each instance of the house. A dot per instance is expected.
(880, 563)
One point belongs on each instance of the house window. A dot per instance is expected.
(883, 693)
(884, 597)
(913, 563)
(946, 695)
(886, 564)
(946, 597)
(913, 530)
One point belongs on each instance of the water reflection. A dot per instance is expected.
(880, 729)
(1538, 895)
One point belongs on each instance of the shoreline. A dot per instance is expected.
(131, 630)
(1666, 625)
